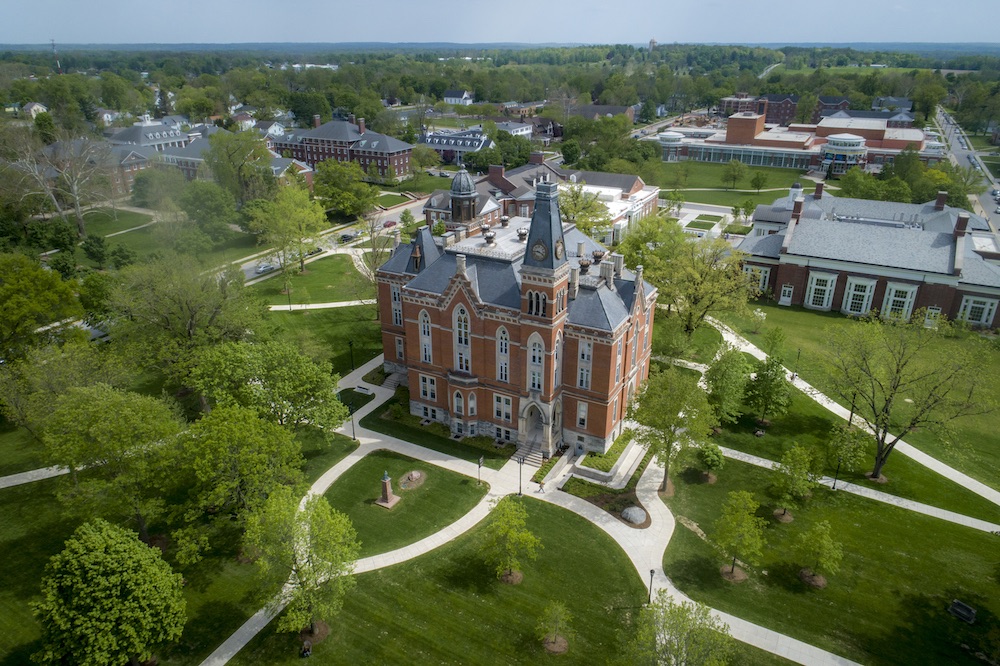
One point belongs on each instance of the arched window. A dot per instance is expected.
(535, 362)
(472, 404)
(557, 360)
(503, 355)
(425, 338)
(463, 362)
(458, 403)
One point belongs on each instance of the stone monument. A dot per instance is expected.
(388, 499)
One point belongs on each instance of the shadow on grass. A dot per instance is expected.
(697, 573)
(202, 629)
(21, 654)
(926, 626)
(469, 573)
(693, 477)
(786, 576)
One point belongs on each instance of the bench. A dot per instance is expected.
(363, 389)
(962, 611)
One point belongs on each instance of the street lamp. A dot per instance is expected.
(836, 474)
(354, 435)
(520, 466)
(350, 345)
(651, 572)
(796, 373)
(479, 472)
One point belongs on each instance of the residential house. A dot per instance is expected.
(32, 109)
(458, 97)
(452, 146)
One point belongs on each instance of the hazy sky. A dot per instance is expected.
(586, 21)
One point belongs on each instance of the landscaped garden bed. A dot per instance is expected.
(603, 462)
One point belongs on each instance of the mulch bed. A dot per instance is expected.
(812, 579)
(736, 576)
(512, 578)
(559, 645)
(322, 631)
(783, 516)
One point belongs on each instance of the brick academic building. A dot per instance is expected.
(525, 331)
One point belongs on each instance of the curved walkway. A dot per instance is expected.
(645, 548)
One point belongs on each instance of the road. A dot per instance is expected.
(967, 157)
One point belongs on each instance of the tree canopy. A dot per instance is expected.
(31, 298)
(107, 598)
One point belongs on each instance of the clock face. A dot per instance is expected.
(559, 249)
(539, 251)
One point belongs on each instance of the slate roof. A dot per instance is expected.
(900, 103)
(762, 246)
(624, 182)
(146, 135)
(592, 110)
(896, 116)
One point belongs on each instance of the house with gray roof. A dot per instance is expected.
(527, 331)
(453, 146)
(859, 256)
(150, 134)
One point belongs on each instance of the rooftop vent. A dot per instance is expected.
(522, 234)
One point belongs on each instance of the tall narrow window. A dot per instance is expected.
(618, 363)
(459, 409)
(397, 305)
(557, 361)
(426, 354)
(503, 355)
(463, 361)
(581, 415)
(535, 362)
(472, 404)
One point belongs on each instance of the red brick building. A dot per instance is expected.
(523, 333)
(346, 141)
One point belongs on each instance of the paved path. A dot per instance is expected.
(320, 306)
(31, 476)
(907, 450)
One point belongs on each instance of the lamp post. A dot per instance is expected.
(520, 467)
(354, 435)
(350, 346)
(479, 472)
(797, 355)
(836, 474)
(651, 572)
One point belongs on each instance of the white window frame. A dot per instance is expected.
(586, 351)
(426, 346)
(581, 414)
(397, 305)
(399, 348)
(584, 377)
(472, 404)
(503, 407)
(459, 403)
(428, 387)
(503, 355)
(462, 334)
(536, 363)
(891, 290)
(989, 306)
(851, 290)
(811, 290)
(763, 274)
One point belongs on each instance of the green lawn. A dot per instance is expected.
(739, 229)
(887, 605)
(104, 221)
(19, 452)
(327, 280)
(147, 241)
(448, 608)
(326, 333)
(709, 218)
(701, 225)
(976, 448)
(407, 428)
(355, 399)
(378, 241)
(440, 500)
(390, 200)
(603, 462)
(421, 182)
(708, 174)
(808, 424)
(981, 142)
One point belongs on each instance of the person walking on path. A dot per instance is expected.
(541, 486)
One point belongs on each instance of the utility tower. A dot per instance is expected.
(55, 56)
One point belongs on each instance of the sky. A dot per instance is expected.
(482, 21)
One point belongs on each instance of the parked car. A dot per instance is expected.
(346, 238)
(997, 210)
(264, 268)
(388, 224)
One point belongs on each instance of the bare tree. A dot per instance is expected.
(80, 172)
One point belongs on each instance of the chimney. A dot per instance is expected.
(396, 235)
(448, 238)
(619, 260)
(536, 158)
(574, 281)
(797, 207)
(496, 173)
(580, 251)
(818, 194)
(939, 202)
(361, 125)
(608, 273)
(460, 265)
(638, 274)
(962, 225)
(316, 122)
(350, 119)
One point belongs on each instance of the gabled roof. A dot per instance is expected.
(622, 181)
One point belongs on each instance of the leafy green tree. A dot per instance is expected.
(122, 256)
(554, 623)
(107, 598)
(424, 156)
(711, 457)
(166, 310)
(758, 180)
(727, 379)
(273, 379)
(671, 633)
(481, 160)
(506, 539)
(64, 264)
(290, 224)
(848, 447)
(406, 219)
(675, 202)
(516, 150)
(209, 206)
(241, 163)
(733, 173)
(817, 547)
(672, 411)
(153, 186)
(96, 250)
(45, 128)
(309, 550)
(341, 187)
(877, 362)
(769, 391)
(738, 531)
(118, 435)
(583, 209)
(794, 480)
(30, 299)
(570, 151)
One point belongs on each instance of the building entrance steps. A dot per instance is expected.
(531, 452)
